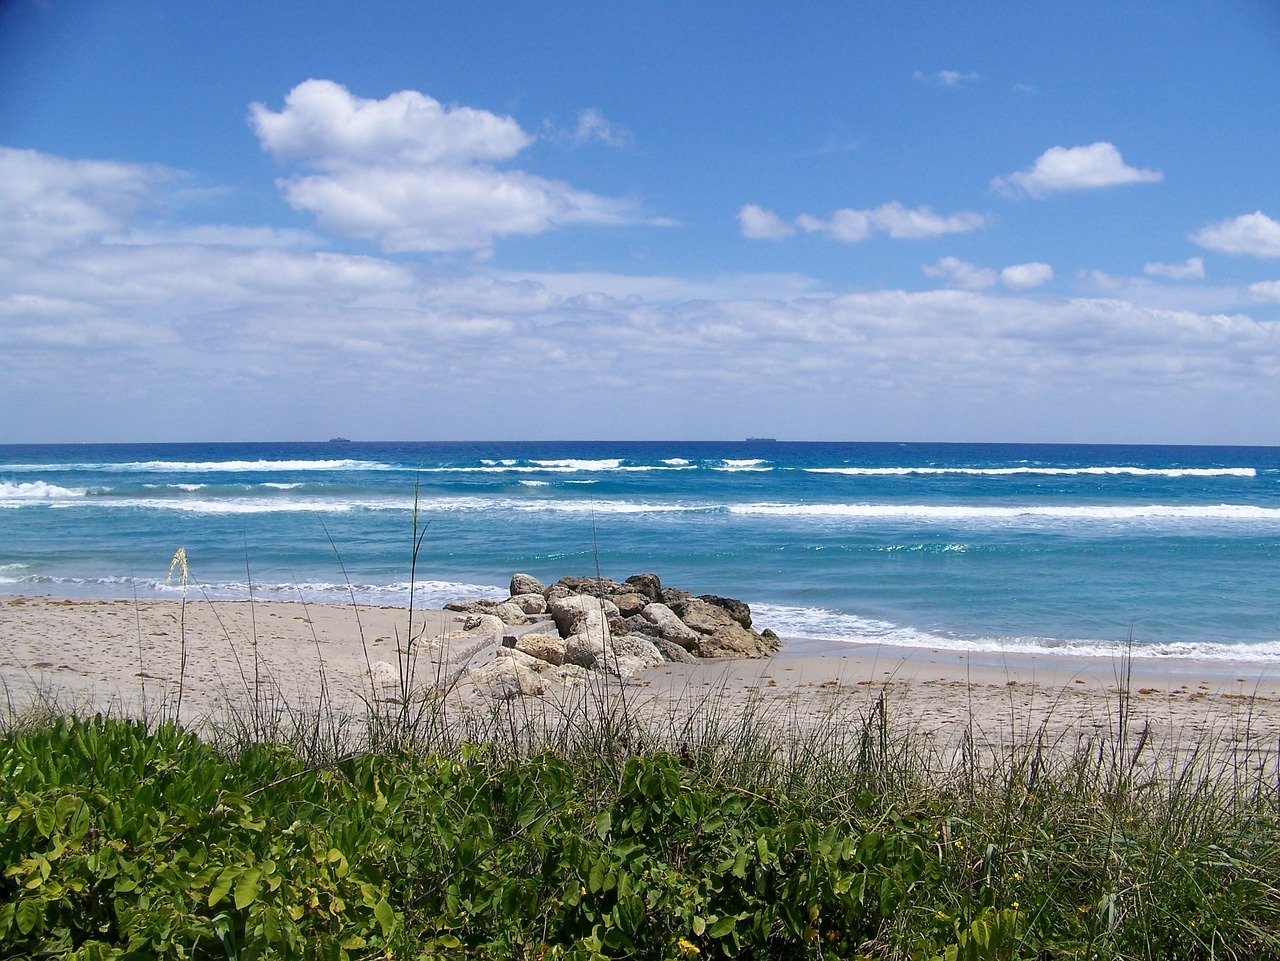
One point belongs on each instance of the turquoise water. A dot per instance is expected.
(1045, 547)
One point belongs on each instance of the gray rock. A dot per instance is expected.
(505, 678)
(671, 651)
(535, 664)
(587, 650)
(510, 613)
(595, 586)
(569, 611)
(639, 624)
(670, 626)
(476, 605)
(531, 603)
(674, 597)
(485, 624)
(638, 647)
(738, 610)
(525, 584)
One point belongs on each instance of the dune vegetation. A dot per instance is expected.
(591, 831)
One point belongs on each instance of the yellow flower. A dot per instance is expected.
(687, 948)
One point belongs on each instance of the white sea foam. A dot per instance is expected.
(1047, 471)
(246, 505)
(220, 466)
(1028, 512)
(828, 625)
(18, 494)
(676, 462)
(610, 464)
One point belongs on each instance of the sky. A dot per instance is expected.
(907, 221)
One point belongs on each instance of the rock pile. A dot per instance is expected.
(596, 624)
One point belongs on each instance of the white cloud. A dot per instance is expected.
(323, 123)
(1026, 276)
(1193, 269)
(1267, 290)
(1254, 234)
(760, 224)
(959, 273)
(899, 222)
(592, 125)
(945, 78)
(198, 331)
(217, 235)
(852, 226)
(414, 175)
(48, 202)
(1074, 168)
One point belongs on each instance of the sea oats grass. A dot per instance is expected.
(578, 829)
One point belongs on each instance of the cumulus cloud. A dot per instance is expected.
(285, 337)
(945, 78)
(1192, 269)
(49, 202)
(760, 224)
(414, 175)
(1074, 168)
(852, 226)
(1255, 234)
(1026, 276)
(959, 273)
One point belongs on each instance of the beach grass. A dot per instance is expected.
(590, 826)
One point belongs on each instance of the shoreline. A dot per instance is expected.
(126, 655)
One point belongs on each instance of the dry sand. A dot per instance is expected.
(122, 655)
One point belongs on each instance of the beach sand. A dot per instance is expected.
(126, 656)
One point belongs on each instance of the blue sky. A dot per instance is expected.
(862, 221)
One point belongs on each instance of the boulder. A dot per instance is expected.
(505, 678)
(485, 624)
(639, 624)
(637, 648)
(703, 617)
(671, 651)
(569, 611)
(595, 586)
(740, 611)
(570, 675)
(531, 603)
(525, 584)
(631, 603)
(535, 664)
(588, 650)
(510, 613)
(673, 597)
(477, 605)
(670, 626)
(385, 678)
(646, 584)
(545, 647)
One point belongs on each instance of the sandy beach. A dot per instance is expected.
(127, 656)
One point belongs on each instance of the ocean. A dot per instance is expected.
(1050, 548)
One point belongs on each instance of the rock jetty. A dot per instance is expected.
(584, 624)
